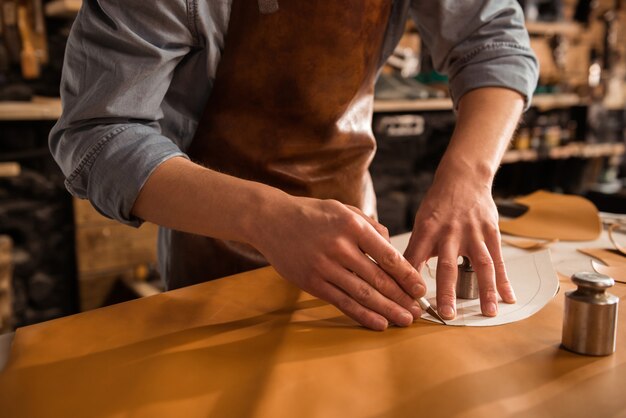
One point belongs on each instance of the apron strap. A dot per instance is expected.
(268, 6)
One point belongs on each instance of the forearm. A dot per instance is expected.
(458, 216)
(316, 244)
(487, 119)
(185, 196)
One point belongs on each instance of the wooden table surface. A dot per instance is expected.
(254, 346)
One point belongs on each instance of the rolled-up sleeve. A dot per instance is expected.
(478, 43)
(120, 59)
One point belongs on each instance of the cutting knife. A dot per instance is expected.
(426, 306)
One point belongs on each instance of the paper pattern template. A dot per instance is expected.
(534, 281)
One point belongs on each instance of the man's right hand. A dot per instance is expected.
(324, 247)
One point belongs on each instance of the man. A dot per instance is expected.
(243, 128)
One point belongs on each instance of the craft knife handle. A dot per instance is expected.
(427, 307)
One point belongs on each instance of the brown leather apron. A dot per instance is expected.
(291, 107)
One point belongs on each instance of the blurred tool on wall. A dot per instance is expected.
(23, 48)
(544, 10)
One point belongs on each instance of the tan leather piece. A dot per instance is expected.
(615, 263)
(617, 272)
(555, 216)
(529, 244)
(612, 236)
(607, 256)
(291, 107)
(254, 346)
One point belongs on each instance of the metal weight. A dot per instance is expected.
(467, 281)
(590, 319)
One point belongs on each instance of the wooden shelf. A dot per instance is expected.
(556, 101)
(541, 101)
(50, 108)
(554, 28)
(573, 150)
(600, 150)
(516, 156)
(63, 8)
(417, 105)
(39, 109)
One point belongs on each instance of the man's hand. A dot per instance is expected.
(324, 247)
(458, 216)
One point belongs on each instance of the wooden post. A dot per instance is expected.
(6, 272)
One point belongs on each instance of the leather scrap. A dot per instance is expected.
(617, 272)
(614, 263)
(616, 244)
(607, 256)
(529, 244)
(555, 216)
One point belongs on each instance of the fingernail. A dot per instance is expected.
(416, 310)
(407, 319)
(447, 312)
(418, 291)
(491, 308)
(380, 324)
(513, 297)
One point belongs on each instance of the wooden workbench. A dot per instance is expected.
(254, 346)
(40, 108)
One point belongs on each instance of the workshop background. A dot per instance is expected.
(58, 256)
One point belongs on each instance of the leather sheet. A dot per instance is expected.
(612, 236)
(607, 256)
(254, 346)
(529, 244)
(617, 272)
(555, 216)
(614, 262)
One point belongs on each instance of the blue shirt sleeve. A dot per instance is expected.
(118, 67)
(478, 43)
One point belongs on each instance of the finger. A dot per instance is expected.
(369, 271)
(494, 245)
(447, 271)
(420, 247)
(392, 262)
(380, 228)
(369, 297)
(349, 306)
(485, 272)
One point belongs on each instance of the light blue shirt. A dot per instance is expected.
(137, 75)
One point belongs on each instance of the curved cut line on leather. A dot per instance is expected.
(268, 6)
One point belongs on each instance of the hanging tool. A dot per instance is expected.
(31, 67)
(4, 55)
(11, 33)
(40, 40)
